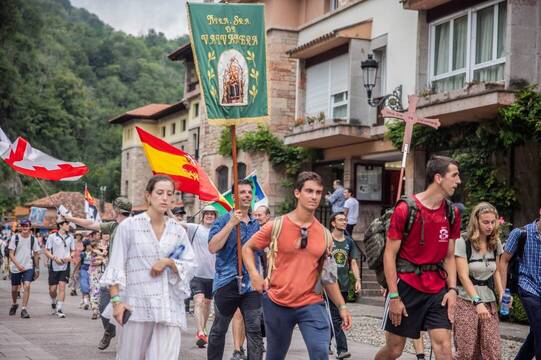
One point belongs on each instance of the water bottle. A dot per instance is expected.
(506, 300)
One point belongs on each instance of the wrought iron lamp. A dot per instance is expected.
(370, 70)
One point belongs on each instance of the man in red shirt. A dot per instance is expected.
(291, 298)
(422, 293)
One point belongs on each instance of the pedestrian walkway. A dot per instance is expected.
(46, 337)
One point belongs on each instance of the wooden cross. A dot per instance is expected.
(410, 118)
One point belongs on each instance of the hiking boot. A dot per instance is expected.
(13, 309)
(60, 314)
(202, 340)
(343, 355)
(105, 340)
(25, 314)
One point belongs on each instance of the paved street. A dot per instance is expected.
(46, 337)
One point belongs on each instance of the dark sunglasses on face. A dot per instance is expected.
(304, 237)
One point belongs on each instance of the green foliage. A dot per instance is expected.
(475, 145)
(517, 312)
(290, 158)
(64, 74)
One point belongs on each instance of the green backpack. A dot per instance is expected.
(375, 238)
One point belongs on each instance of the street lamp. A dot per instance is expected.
(369, 68)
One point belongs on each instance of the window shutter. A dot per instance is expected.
(339, 74)
(317, 89)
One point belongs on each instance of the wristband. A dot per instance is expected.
(394, 295)
(115, 299)
(476, 299)
(453, 288)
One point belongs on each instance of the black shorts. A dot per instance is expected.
(424, 312)
(201, 286)
(227, 299)
(57, 276)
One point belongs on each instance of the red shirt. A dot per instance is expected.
(436, 242)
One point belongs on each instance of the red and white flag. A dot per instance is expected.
(5, 143)
(26, 160)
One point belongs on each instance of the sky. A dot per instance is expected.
(136, 17)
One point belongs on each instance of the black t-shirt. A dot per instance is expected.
(343, 252)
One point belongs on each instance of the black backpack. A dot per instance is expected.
(513, 267)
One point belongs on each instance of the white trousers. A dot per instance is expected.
(147, 341)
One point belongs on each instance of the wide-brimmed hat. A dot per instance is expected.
(209, 208)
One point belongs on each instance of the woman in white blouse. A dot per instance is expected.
(149, 272)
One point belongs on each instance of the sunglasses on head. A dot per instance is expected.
(304, 237)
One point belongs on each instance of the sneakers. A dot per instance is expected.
(202, 340)
(53, 307)
(60, 314)
(105, 340)
(25, 314)
(73, 292)
(94, 315)
(13, 309)
(239, 355)
(86, 306)
(343, 355)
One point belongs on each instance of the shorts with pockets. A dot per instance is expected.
(201, 286)
(22, 277)
(425, 312)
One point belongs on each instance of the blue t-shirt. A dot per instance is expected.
(226, 258)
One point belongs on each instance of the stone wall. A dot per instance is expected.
(136, 172)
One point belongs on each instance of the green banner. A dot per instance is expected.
(229, 46)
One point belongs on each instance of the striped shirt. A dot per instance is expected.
(530, 264)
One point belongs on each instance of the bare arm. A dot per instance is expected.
(218, 241)
(504, 265)
(334, 294)
(14, 259)
(389, 264)
(346, 211)
(464, 276)
(86, 223)
(355, 269)
(248, 257)
(449, 264)
(497, 277)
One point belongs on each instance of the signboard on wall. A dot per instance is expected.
(369, 182)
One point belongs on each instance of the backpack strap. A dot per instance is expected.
(16, 244)
(273, 246)
(411, 217)
(521, 242)
(450, 213)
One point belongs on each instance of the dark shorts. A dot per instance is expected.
(201, 286)
(424, 312)
(58, 276)
(25, 276)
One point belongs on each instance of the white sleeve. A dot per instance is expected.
(115, 273)
(36, 245)
(11, 243)
(186, 266)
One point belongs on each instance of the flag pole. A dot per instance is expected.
(237, 203)
(46, 192)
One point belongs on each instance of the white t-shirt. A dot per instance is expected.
(60, 247)
(353, 212)
(200, 243)
(22, 253)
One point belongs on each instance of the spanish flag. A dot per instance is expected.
(189, 177)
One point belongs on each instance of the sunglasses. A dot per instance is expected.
(304, 237)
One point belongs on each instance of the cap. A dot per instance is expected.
(123, 205)
(86, 242)
(178, 210)
(209, 208)
(25, 222)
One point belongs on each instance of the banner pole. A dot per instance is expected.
(237, 202)
(46, 192)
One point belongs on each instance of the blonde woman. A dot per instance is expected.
(149, 273)
(476, 326)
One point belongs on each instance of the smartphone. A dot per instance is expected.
(126, 316)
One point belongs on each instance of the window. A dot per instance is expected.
(196, 145)
(468, 46)
(162, 129)
(127, 157)
(222, 176)
(183, 124)
(126, 188)
(334, 4)
(128, 133)
(196, 110)
(241, 170)
(327, 88)
(173, 128)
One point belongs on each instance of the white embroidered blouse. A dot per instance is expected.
(135, 249)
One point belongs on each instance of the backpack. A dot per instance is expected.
(513, 268)
(375, 238)
(490, 281)
(273, 248)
